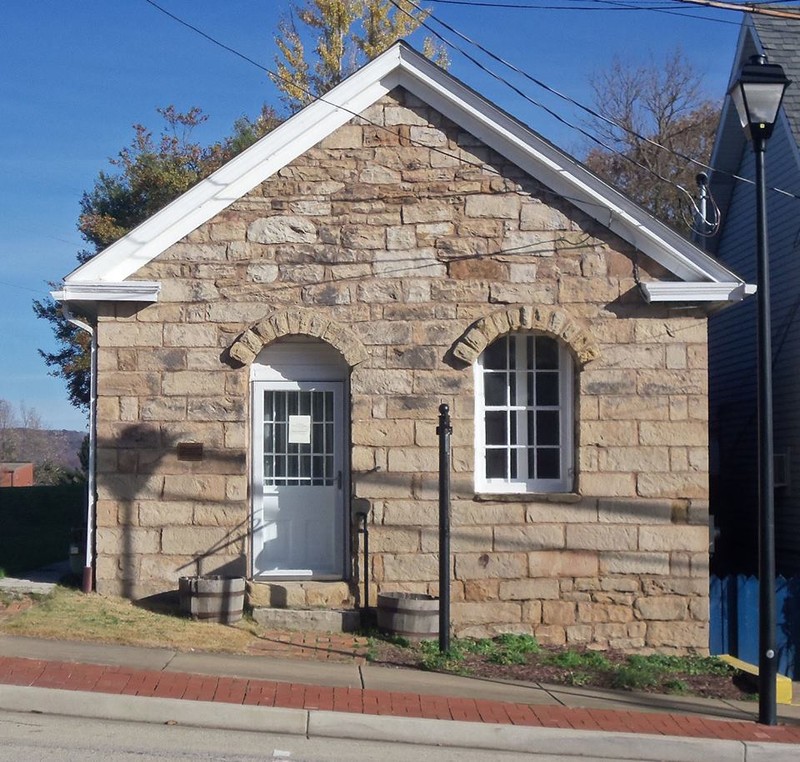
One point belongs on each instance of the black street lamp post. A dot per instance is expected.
(757, 95)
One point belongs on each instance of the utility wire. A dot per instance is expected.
(552, 113)
(756, 9)
(574, 102)
(321, 99)
(609, 5)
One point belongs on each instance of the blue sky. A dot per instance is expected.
(76, 74)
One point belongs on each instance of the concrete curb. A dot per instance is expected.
(382, 728)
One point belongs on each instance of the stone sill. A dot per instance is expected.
(528, 497)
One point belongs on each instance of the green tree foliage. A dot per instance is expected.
(154, 170)
(344, 34)
(663, 102)
(144, 177)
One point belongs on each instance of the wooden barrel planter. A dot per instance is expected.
(411, 615)
(212, 599)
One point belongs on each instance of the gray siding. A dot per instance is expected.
(732, 365)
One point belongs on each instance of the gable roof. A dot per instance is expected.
(777, 38)
(701, 278)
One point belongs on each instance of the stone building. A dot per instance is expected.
(272, 349)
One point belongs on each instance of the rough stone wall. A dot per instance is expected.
(403, 231)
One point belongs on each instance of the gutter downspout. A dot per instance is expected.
(88, 567)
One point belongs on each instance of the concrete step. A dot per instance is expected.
(313, 620)
(300, 594)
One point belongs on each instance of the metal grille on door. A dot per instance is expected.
(299, 438)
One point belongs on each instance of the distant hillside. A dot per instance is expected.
(59, 446)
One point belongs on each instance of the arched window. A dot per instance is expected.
(524, 415)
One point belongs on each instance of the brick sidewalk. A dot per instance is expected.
(321, 646)
(177, 685)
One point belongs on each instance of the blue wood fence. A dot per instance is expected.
(734, 620)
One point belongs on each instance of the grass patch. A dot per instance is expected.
(71, 615)
(520, 657)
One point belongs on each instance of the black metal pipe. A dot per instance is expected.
(767, 661)
(366, 563)
(444, 430)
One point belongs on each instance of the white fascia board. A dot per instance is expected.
(105, 291)
(240, 175)
(560, 173)
(696, 291)
(400, 65)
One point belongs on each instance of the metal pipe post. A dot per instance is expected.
(767, 661)
(444, 431)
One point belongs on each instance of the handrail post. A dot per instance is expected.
(444, 430)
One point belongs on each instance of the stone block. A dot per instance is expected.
(674, 538)
(481, 589)
(634, 458)
(608, 485)
(558, 612)
(404, 567)
(490, 565)
(194, 487)
(128, 540)
(691, 484)
(285, 229)
(609, 433)
(601, 537)
(631, 562)
(688, 635)
(385, 539)
(485, 612)
(529, 537)
(194, 540)
(377, 433)
(634, 511)
(591, 612)
(157, 513)
(413, 459)
(580, 511)
(663, 608)
(463, 539)
(189, 335)
(502, 206)
(550, 634)
(529, 589)
(566, 563)
(426, 211)
(468, 512)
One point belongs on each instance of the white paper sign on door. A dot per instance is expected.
(299, 429)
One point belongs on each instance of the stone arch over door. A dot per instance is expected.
(298, 322)
(555, 321)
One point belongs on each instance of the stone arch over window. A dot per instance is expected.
(295, 322)
(551, 320)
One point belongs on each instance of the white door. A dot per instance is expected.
(298, 508)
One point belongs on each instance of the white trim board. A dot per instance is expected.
(402, 66)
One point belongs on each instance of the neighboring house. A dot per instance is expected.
(16, 474)
(732, 339)
(273, 348)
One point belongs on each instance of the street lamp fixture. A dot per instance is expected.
(757, 95)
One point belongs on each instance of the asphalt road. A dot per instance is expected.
(46, 738)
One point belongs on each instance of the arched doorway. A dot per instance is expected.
(300, 460)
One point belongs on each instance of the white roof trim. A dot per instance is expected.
(402, 66)
(664, 291)
(128, 291)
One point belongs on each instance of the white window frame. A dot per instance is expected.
(566, 427)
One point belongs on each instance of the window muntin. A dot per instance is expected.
(524, 410)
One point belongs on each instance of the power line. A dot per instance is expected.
(552, 113)
(585, 108)
(609, 5)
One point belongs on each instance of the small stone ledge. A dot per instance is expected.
(554, 321)
(298, 322)
(528, 497)
(317, 620)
